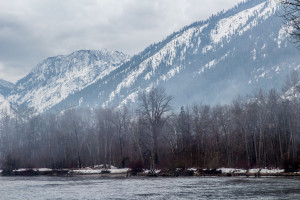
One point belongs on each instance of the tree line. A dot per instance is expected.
(260, 130)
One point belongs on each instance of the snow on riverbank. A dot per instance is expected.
(267, 171)
(88, 170)
(34, 169)
(100, 171)
(251, 171)
(147, 171)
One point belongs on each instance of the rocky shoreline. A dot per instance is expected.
(222, 173)
(126, 172)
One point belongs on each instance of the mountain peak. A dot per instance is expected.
(55, 78)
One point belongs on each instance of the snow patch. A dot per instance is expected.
(99, 171)
(254, 54)
(130, 98)
(283, 34)
(213, 63)
(171, 73)
(252, 171)
(207, 48)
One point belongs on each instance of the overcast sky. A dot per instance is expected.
(33, 30)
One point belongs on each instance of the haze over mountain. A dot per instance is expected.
(211, 61)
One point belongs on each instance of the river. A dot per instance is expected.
(96, 187)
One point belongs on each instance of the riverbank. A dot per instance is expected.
(127, 172)
(258, 172)
(63, 172)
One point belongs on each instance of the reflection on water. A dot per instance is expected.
(95, 187)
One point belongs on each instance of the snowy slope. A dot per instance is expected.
(5, 87)
(222, 55)
(56, 78)
(212, 61)
(4, 106)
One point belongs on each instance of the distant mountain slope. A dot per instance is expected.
(212, 61)
(53, 80)
(4, 105)
(5, 87)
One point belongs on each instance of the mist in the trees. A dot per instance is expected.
(261, 130)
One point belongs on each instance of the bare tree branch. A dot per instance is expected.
(291, 16)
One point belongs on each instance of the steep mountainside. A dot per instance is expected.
(212, 61)
(5, 87)
(4, 105)
(53, 80)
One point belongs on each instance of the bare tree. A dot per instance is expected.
(292, 17)
(106, 133)
(121, 121)
(153, 106)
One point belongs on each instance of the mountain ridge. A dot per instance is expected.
(209, 61)
(5, 87)
(55, 78)
(260, 10)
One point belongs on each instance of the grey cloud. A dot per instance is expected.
(32, 30)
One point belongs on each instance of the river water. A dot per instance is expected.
(96, 187)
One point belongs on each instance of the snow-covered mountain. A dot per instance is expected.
(211, 61)
(53, 80)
